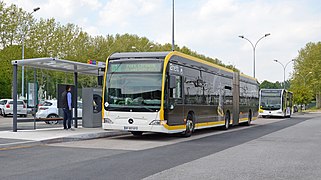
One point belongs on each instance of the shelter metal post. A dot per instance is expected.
(76, 95)
(35, 95)
(14, 120)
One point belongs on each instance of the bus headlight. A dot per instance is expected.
(108, 121)
(157, 122)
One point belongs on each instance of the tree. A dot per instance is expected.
(48, 38)
(270, 85)
(307, 71)
(6, 56)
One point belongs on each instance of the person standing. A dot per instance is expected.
(66, 104)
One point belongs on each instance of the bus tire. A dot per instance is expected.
(248, 123)
(227, 119)
(137, 133)
(189, 126)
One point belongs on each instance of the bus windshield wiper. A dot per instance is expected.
(144, 107)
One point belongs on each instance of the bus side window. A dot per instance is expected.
(176, 87)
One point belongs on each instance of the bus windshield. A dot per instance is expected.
(130, 87)
(270, 102)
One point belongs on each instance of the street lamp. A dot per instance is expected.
(144, 49)
(134, 47)
(173, 43)
(254, 47)
(284, 67)
(23, 54)
(304, 77)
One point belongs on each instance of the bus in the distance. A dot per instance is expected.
(171, 92)
(275, 102)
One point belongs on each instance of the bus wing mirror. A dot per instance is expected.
(172, 82)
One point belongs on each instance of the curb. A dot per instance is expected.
(83, 137)
(19, 145)
(80, 137)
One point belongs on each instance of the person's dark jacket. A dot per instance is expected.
(64, 99)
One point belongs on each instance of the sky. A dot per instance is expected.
(209, 27)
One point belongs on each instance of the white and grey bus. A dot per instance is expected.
(275, 102)
(171, 92)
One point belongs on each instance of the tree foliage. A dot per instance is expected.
(48, 38)
(306, 83)
(270, 85)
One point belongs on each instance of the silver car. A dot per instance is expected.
(7, 107)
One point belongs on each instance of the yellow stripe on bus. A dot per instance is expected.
(210, 124)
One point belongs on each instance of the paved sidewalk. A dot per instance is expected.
(51, 135)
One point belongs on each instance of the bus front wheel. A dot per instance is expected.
(189, 126)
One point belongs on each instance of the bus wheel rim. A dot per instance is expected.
(189, 126)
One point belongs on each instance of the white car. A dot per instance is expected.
(6, 107)
(49, 110)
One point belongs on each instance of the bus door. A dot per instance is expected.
(175, 104)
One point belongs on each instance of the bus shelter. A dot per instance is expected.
(54, 64)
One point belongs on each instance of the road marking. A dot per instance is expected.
(151, 140)
(17, 147)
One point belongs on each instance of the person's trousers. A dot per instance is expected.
(67, 118)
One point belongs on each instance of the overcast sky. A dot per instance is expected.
(210, 27)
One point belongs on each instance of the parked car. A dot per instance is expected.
(7, 107)
(2, 104)
(29, 109)
(49, 110)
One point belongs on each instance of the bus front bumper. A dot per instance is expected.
(142, 128)
(278, 113)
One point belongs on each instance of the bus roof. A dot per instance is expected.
(162, 55)
(124, 55)
(272, 89)
(276, 90)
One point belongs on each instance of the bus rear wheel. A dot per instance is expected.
(248, 123)
(189, 126)
(227, 121)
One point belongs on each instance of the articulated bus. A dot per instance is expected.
(275, 102)
(171, 92)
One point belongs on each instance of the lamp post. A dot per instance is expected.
(23, 54)
(284, 67)
(304, 77)
(254, 47)
(173, 43)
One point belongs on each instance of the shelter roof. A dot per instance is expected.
(62, 65)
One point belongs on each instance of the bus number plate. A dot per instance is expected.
(130, 128)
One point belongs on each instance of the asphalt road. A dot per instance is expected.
(269, 149)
